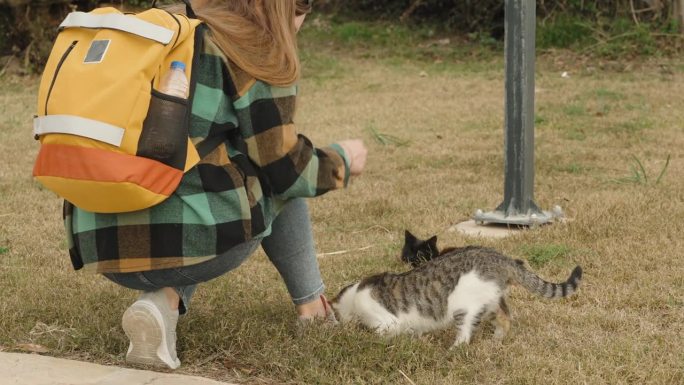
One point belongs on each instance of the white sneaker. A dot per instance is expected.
(150, 325)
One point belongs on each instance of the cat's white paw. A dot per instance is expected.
(388, 330)
(461, 340)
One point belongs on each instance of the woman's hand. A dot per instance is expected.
(356, 153)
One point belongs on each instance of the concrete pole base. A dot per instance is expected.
(490, 230)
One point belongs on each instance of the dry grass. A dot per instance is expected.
(625, 326)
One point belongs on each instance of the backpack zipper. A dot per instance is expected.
(59, 66)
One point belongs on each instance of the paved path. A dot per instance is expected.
(33, 369)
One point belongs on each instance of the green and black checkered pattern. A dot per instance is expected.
(255, 162)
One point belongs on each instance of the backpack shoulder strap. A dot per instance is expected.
(188, 8)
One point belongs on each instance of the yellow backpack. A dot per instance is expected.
(109, 140)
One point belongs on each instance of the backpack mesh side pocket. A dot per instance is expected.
(164, 136)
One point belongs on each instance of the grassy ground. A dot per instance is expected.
(603, 138)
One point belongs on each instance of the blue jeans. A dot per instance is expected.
(290, 248)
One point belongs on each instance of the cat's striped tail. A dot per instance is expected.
(534, 284)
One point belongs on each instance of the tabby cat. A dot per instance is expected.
(459, 289)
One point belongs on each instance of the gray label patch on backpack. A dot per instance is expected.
(97, 51)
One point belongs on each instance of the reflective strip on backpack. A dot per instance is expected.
(119, 22)
(75, 125)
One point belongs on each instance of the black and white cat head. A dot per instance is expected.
(417, 251)
(344, 303)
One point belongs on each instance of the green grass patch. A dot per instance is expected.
(575, 134)
(3, 250)
(571, 168)
(622, 36)
(639, 175)
(606, 94)
(360, 34)
(395, 43)
(386, 139)
(320, 68)
(564, 32)
(614, 38)
(575, 110)
(631, 126)
(540, 255)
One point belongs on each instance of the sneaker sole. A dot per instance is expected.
(144, 327)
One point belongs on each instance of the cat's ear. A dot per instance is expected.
(432, 242)
(409, 238)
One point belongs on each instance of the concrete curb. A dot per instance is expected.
(33, 369)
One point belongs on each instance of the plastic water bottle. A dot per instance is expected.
(175, 83)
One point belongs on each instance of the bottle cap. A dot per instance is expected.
(178, 64)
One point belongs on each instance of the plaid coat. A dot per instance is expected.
(258, 162)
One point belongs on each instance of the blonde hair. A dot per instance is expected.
(259, 36)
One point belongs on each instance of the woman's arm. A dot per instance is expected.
(293, 166)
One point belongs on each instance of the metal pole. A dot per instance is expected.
(518, 207)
